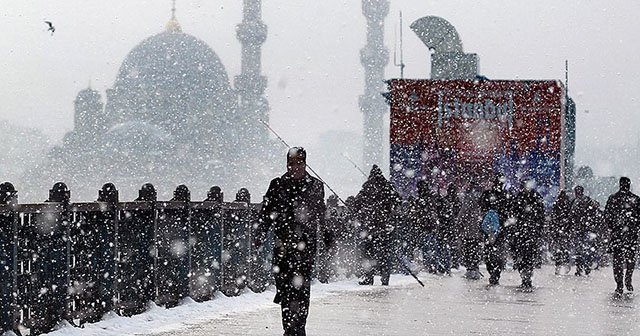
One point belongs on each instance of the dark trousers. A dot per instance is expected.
(623, 258)
(526, 253)
(583, 253)
(494, 259)
(293, 289)
(293, 293)
(562, 250)
(378, 258)
(471, 254)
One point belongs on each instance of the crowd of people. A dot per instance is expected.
(378, 232)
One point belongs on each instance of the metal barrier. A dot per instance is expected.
(78, 261)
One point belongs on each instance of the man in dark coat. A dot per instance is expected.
(426, 214)
(583, 218)
(447, 230)
(561, 231)
(526, 230)
(622, 215)
(469, 218)
(495, 199)
(294, 206)
(374, 205)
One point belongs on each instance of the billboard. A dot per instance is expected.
(458, 131)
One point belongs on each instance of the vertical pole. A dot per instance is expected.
(374, 57)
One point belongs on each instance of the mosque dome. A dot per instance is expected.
(169, 79)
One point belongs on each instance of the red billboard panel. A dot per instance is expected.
(460, 130)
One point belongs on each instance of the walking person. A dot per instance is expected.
(447, 229)
(622, 215)
(561, 232)
(294, 209)
(583, 218)
(494, 205)
(426, 214)
(526, 231)
(374, 205)
(469, 218)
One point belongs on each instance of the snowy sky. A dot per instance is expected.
(311, 56)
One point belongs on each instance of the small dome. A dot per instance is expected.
(138, 139)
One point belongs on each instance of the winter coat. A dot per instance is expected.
(335, 226)
(449, 208)
(426, 214)
(528, 212)
(583, 215)
(375, 204)
(295, 209)
(470, 216)
(622, 215)
(560, 220)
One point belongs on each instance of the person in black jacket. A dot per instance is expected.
(447, 230)
(622, 215)
(426, 223)
(561, 232)
(374, 205)
(294, 207)
(583, 216)
(526, 230)
(495, 199)
(469, 219)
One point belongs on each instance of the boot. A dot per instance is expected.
(628, 283)
(526, 285)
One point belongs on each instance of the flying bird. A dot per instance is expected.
(51, 27)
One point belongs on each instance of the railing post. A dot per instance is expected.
(206, 234)
(173, 252)
(136, 237)
(8, 280)
(107, 231)
(53, 253)
(236, 247)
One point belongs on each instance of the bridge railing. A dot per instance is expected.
(78, 261)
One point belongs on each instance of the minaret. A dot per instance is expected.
(374, 57)
(88, 119)
(250, 84)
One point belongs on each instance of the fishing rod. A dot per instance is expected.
(308, 166)
(401, 262)
(354, 164)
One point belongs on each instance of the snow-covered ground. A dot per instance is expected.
(559, 305)
(158, 319)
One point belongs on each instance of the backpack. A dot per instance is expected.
(491, 223)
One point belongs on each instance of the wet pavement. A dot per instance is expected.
(559, 305)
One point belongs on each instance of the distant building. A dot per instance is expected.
(171, 117)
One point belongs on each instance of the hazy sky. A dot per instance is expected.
(311, 56)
